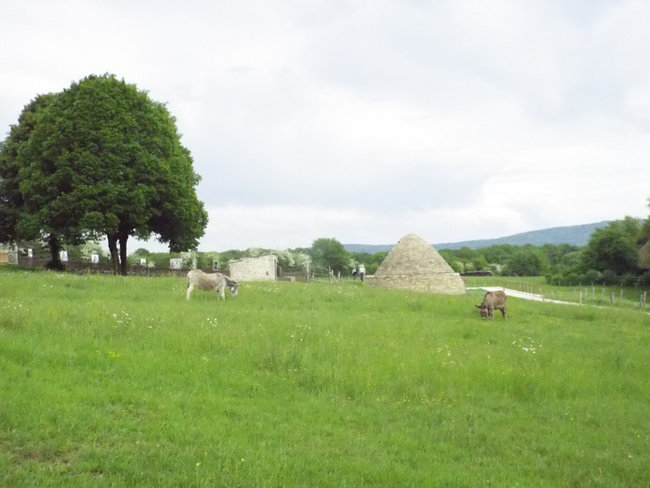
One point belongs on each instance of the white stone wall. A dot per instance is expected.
(263, 268)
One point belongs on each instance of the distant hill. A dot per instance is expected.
(576, 235)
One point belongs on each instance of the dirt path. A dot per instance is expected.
(530, 296)
(521, 294)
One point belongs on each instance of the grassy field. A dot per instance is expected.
(119, 381)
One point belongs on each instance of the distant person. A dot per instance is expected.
(362, 272)
(354, 272)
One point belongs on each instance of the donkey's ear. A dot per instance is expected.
(477, 306)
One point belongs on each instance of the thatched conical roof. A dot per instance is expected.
(414, 264)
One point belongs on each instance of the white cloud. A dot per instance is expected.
(366, 121)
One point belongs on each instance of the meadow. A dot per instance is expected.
(119, 381)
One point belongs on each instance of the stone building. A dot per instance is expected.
(263, 268)
(413, 264)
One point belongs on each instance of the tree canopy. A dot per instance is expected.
(329, 254)
(105, 159)
(11, 199)
(527, 261)
(613, 248)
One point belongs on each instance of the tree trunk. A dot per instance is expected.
(55, 256)
(112, 247)
(123, 238)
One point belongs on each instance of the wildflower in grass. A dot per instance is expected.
(122, 318)
(527, 344)
(18, 307)
(212, 322)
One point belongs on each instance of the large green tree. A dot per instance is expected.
(329, 254)
(613, 248)
(106, 159)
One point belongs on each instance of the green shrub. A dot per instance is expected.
(628, 280)
(592, 276)
(609, 277)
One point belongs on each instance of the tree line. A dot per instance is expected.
(611, 257)
(325, 254)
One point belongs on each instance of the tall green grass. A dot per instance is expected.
(119, 381)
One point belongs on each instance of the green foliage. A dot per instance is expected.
(296, 261)
(370, 261)
(555, 253)
(158, 260)
(103, 158)
(499, 253)
(329, 254)
(15, 221)
(231, 255)
(613, 248)
(290, 261)
(527, 261)
(480, 262)
(610, 257)
(139, 254)
(119, 381)
(205, 260)
(11, 199)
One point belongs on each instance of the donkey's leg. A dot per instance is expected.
(220, 291)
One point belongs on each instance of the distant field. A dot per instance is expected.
(119, 381)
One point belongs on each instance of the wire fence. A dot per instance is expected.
(591, 294)
(103, 267)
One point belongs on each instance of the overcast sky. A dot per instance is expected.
(364, 121)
